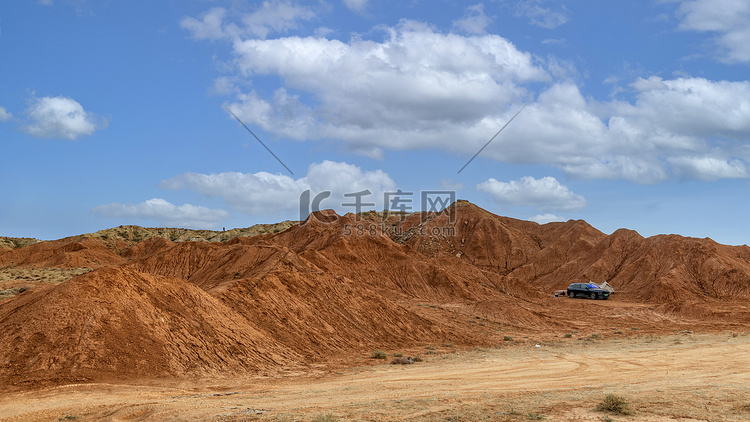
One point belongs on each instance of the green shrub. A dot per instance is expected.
(507, 338)
(568, 335)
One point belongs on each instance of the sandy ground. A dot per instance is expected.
(684, 377)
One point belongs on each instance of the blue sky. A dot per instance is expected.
(635, 114)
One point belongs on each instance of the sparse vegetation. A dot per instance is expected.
(615, 404)
(325, 418)
(507, 338)
(18, 280)
(16, 242)
(568, 335)
(378, 354)
(402, 361)
(535, 416)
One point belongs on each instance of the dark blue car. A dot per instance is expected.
(588, 290)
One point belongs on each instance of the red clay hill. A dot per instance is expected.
(337, 287)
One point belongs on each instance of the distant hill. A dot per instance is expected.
(16, 242)
(133, 302)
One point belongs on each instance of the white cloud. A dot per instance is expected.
(642, 141)
(541, 16)
(271, 16)
(210, 26)
(546, 218)
(5, 115)
(474, 21)
(270, 194)
(356, 5)
(276, 16)
(545, 193)
(417, 85)
(420, 89)
(710, 168)
(729, 19)
(259, 193)
(166, 213)
(60, 117)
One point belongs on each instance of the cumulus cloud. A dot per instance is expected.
(166, 213)
(545, 193)
(60, 117)
(5, 115)
(474, 21)
(270, 17)
(356, 5)
(710, 168)
(419, 89)
(270, 194)
(210, 26)
(417, 84)
(546, 218)
(259, 193)
(647, 141)
(728, 19)
(541, 16)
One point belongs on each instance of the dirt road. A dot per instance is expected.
(684, 377)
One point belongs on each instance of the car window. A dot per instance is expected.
(592, 286)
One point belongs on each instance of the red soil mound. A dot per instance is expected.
(117, 322)
(70, 252)
(349, 283)
(147, 247)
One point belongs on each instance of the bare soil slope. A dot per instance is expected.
(118, 323)
(557, 382)
(339, 286)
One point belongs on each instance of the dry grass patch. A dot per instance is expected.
(614, 404)
(14, 280)
(378, 354)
